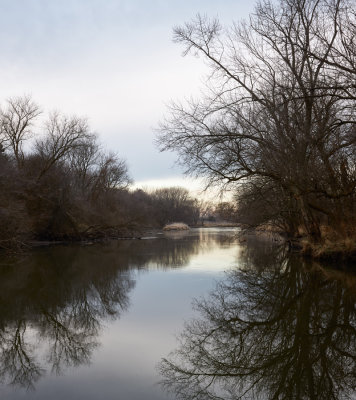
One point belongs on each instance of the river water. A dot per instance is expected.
(191, 315)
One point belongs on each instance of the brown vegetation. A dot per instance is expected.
(65, 187)
(278, 118)
(176, 226)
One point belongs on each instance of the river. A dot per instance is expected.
(181, 315)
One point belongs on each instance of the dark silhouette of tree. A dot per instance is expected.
(278, 112)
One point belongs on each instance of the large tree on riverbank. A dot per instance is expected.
(278, 112)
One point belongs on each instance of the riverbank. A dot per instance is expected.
(341, 249)
(97, 235)
(89, 236)
(331, 248)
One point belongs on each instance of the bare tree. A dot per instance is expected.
(339, 46)
(16, 122)
(273, 108)
(63, 136)
(84, 160)
(111, 173)
(66, 187)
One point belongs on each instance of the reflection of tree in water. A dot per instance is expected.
(165, 253)
(17, 361)
(174, 249)
(53, 303)
(282, 331)
(178, 250)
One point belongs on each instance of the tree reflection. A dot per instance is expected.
(52, 307)
(281, 331)
(53, 302)
(17, 360)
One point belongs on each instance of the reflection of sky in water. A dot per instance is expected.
(131, 343)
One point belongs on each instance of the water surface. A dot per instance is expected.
(108, 321)
(90, 322)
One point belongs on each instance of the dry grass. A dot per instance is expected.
(333, 245)
(176, 226)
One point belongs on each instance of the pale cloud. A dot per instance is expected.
(112, 61)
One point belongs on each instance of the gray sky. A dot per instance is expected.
(112, 61)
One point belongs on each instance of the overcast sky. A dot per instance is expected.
(112, 61)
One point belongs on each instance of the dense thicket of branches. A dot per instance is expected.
(57, 183)
(278, 116)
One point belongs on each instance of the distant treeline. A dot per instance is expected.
(57, 183)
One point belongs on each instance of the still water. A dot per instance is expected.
(191, 315)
